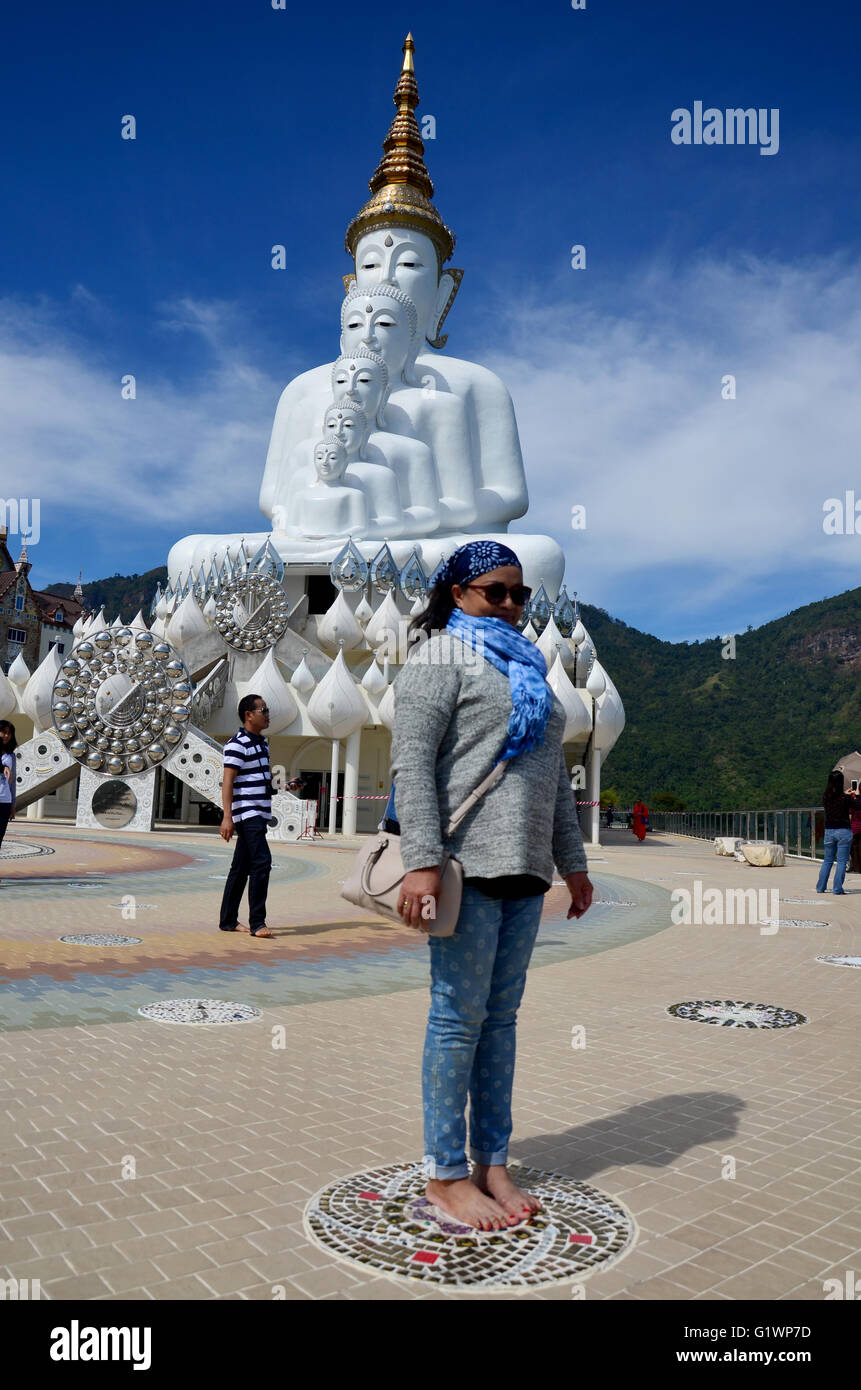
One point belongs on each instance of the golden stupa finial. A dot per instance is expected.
(401, 187)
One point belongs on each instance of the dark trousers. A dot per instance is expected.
(252, 861)
(5, 812)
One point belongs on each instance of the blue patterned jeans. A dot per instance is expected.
(477, 980)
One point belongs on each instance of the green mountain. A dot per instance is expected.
(758, 729)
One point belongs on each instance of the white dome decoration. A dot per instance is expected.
(529, 633)
(419, 606)
(386, 707)
(551, 641)
(609, 720)
(19, 671)
(386, 623)
(162, 608)
(336, 707)
(8, 698)
(117, 623)
(187, 623)
(373, 680)
(363, 611)
(37, 698)
(578, 717)
(209, 610)
(302, 679)
(97, 624)
(585, 654)
(138, 623)
(339, 625)
(596, 682)
(578, 633)
(269, 683)
(158, 628)
(78, 629)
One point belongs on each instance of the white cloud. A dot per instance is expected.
(693, 500)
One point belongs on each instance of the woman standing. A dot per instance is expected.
(839, 806)
(470, 697)
(8, 744)
(641, 818)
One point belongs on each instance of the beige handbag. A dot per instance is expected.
(378, 871)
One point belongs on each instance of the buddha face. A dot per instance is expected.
(330, 460)
(361, 380)
(381, 324)
(348, 428)
(407, 259)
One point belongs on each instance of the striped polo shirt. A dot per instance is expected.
(249, 754)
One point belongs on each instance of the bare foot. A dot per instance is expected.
(462, 1200)
(495, 1182)
(261, 931)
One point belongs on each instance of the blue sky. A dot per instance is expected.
(257, 126)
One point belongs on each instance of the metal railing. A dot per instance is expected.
(800, 829)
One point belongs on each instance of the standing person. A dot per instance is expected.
(609, 816)
(641, 820)
(8, 775)
(838, 832)
(456, 716)
(246, 795)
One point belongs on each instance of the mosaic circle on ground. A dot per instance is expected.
(729, 1013)
(381, 1221)
(199, 1011)
(20, 849)
(840, 960)
(101, 939)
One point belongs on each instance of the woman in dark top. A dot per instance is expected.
(839, 806)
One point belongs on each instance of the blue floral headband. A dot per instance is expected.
(471, 560)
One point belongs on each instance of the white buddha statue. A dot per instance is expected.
(458, 412)
(363, 377)
(461, 411)
(328, 505)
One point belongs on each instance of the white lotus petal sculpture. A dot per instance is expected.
(338, 625)
(302, 679)
(19, 672)
(138, 622)
(8, 698)
(187, 623)
(596, 681)
(609, 721)
(336, 707)
(373, 680)
(578, 716)
(363, 611)
(36, 700)
(269, 683)
(386, 624)
(550, 642)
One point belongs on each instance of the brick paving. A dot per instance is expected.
(229, 1134)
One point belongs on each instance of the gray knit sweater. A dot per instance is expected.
(451, 717)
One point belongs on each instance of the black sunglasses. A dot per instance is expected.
(495, 593)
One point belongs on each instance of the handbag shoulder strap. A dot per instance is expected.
(466, 806)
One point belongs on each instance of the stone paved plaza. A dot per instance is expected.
(733, 1149)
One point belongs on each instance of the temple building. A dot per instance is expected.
(382, 461)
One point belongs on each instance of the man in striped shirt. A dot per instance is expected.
(246, 796)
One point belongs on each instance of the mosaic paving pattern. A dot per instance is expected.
(381, 1220)
(791, 922)
(807, 902)
(102, 939)
(20, 849)
(840, 960)
(728, 1013)
(199, 1011)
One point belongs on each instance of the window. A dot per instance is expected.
(19, 602)
(17, 634)
(59, 616)
(61, 646)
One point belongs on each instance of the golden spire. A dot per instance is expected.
(401, 187)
